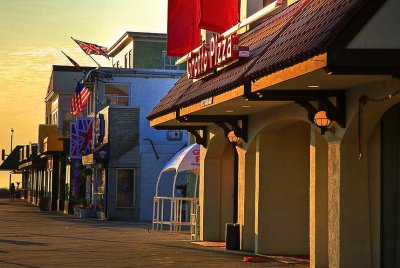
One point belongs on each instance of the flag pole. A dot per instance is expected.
(94, 60)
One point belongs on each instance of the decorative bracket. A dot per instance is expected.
(228, 123)
(336, 112)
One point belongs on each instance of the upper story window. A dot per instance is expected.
(116, 94)
(54, 118)
(126, 65)
(130, 59)
(90, 105)
(169, 62)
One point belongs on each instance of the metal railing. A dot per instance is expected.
(177, 218)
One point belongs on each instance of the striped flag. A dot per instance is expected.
(80, 99)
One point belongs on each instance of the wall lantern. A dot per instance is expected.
(232, 138)
(322, 121)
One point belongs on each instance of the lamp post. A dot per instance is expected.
(11, 144)
(12, 134)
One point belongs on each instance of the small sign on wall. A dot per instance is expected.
(174, 135)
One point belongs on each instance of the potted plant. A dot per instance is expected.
(100, 211)
(44, 203)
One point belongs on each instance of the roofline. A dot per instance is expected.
(64, 68)
(134, 35)
(138, 71)
(68, 68)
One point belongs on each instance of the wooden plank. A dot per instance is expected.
(220, 98)
(162, 119)
(294, 71)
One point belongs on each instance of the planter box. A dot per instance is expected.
(100, 215)
(83, 212)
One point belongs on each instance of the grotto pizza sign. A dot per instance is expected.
(220, 51)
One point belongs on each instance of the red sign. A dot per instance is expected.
(209, 57)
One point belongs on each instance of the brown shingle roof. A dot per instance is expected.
(167, 103)
(301, 31)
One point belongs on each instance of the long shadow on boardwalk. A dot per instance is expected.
(22, 243)
(17, 264)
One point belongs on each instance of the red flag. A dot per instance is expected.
(183, 32)
(218, 16)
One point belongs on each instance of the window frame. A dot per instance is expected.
(171, 65)
(116, 96)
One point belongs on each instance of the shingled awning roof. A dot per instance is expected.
(299, 32)
(12, 161)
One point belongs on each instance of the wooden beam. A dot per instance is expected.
(162, 119)
(210, 118)
(292, 95)
(294, 71)
(220, 98)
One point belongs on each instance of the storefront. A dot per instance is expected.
(297, 188)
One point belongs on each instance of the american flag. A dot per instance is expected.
(90, 48)
(80, 99)
(81, 137)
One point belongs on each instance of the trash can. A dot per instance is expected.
(232, 236)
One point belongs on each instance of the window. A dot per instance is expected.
(116, 94)
(174, 135)
(125, 188)
(126, 60)
(130, 59)
(169, 62)
(54, 118)
(90, 105)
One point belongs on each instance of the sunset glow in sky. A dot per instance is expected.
(33, 32)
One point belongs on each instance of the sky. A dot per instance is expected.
(32, 34)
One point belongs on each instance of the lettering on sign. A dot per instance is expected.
(211, 56)
(206, 102)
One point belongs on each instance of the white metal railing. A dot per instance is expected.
(177, 207)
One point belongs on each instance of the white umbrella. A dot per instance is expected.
(187, 159)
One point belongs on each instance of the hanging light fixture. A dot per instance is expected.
(322, 121)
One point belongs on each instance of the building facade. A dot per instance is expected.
(126, 162)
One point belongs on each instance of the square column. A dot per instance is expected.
(348, 204)
(318, 200)
(246, 197)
